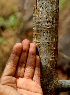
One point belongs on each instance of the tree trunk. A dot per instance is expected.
(45, 18)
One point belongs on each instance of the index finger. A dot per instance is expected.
(13, 60)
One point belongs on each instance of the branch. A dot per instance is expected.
(63, 85)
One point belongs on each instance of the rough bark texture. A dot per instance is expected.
(45, 18)
(63, 85)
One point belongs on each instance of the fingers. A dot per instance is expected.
(23, 59)
(30, 65)
(37, 71)
(25, 56)
(13, 60)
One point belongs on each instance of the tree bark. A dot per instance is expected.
(45, 22)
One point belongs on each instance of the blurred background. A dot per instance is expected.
(16, 24)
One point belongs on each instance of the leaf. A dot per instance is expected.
(2, 40)
(61, 3)
(11, 21)
(1, 19)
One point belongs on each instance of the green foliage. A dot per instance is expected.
(12, 22)
(61, 3)
(2, 40)
(1, 19)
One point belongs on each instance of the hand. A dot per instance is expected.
(22, 72)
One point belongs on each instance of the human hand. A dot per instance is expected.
(22, 72)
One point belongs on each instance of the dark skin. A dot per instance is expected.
(22, 72)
